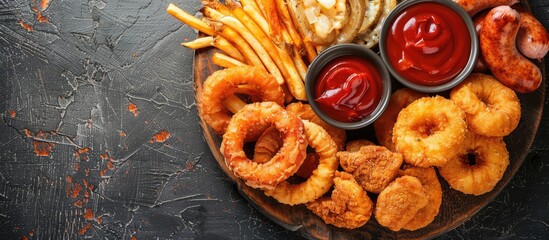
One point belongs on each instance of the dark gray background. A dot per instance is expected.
(67, 84)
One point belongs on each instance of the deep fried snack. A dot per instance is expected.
(224, 83)
(284, 164)
(399, 202)
(355, 145)
(491, 108)
(373, 167)
(267, 145)
(383, 126)
(305, 111)
(479, 168)
(430, 131)
(429, 181)
(347, 207)
(322, 178)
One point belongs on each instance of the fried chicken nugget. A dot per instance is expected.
(373, 167)
(399, 202)
(429, 181)
(355, 145)
(348, 206)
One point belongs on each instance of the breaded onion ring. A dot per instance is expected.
(429, 181)
(397, 204)
(322, 178)
(373, 167)
(348, 206)
(224, 83)
(479, 168)
(306, 112)
(491, 109)
(383, 126)
(283, 164)
(267, 145)
(430, 131)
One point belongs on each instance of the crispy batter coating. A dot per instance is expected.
(491, 108)
(430, 131)
(284, 164)
(322, 178)
(399, 202)
(305, 111)
(383, 126)
(267, 145)
(429, 181)
(347, 207)
(479, 167)
(355, 145)
(223, 83)
(373, 167)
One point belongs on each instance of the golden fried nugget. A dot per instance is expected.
(373, 167)
(399, 202)
(348, 207)
(429, 181)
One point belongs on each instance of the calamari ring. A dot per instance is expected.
(430, 131)
(305, 111)
(429, 180)
(491, 109)
(383, 126)
(285, 163)
(223, 83)
(399, 202)
(348, 206)
(322, 178)
(373, 167)
(479, 168)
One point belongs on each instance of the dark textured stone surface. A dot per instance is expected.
(65, 89)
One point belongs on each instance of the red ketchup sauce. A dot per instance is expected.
(428, 44)
(348, 88)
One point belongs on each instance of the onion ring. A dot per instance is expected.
(347, 207)
(322, 178)
(430, 131)
(491, 108)
(383, 126)
(479, 167)
(306, 112)
(223, 83)
(284, 164)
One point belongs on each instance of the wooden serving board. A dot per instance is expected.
(456, 207)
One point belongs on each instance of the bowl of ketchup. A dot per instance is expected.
(429, 45)
(348, 86)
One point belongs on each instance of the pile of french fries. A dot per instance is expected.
(253, 32)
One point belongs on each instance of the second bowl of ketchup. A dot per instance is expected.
(348, 86)
(429, 45)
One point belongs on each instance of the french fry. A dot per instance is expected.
(286, 19)
(256, 45)
(268, 8)
(227, 47)
(249, 4)
(198, 43)
(299, 64)
(310, 49)
(233, 103)
(189, 19)
(225, 61)
(258, 18)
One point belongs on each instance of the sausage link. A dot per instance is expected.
(532, 37)
(474, 6)
(498, 47)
